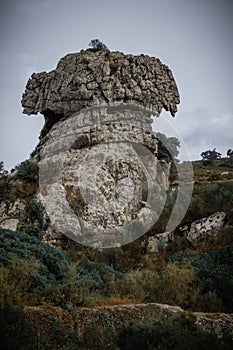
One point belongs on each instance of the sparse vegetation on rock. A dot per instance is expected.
(97, 45)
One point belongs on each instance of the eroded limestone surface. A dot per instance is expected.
(89, 79)
(100, 179)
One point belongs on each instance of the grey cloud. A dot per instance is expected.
(204, 130)
(194, 38)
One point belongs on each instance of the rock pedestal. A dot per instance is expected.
(100, 179)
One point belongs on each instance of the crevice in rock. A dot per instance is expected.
(50, 119)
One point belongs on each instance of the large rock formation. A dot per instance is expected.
(99, 176)
(92, 78)
(107, 321)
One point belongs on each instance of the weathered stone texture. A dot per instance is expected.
(199, 233)
(9, 224)
(113, 318)
(89, 79)
(98, 171)
(205, 230)
(98, 153)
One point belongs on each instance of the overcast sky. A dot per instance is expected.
(193, 37)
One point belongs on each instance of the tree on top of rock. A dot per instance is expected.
(97, 45)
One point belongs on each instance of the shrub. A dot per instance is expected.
(35, 216)
(95, 279)
(19, 245)
(4, 188)
(28, 171)
(19, 284)
(210, 199)
(15, 331)
(214, 177)
(173, 333)
(170, 285)
(213, 278)
(97, 45)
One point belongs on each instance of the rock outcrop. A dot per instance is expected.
(113, 318)
(100, 179)
(204, 231)
(93, 78)
(199, 233)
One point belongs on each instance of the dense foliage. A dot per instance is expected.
(16, 332)
(34, 273)
(28, 170)
(213, 278)
(174, 333)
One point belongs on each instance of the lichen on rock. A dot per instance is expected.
(100, 178)
(92, 78)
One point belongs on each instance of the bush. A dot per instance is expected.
(96, 279)
(213, 278)
(214, 177)
(174, 333)
(15, 331)
(97, 45)
(3, 171)
(4, 188)
(35, 216)
(28, 171)
(19, 245)
(170, 285)
(210, 199)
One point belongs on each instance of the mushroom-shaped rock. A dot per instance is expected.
(100, 179)
(92, 78)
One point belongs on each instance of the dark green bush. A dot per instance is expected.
(214, 276)
(97, 45)
(210, 199)
(16, 333)
(20, 245)
(28, 171)
(35, 215)
(173, 333)
(94, 275)
(4, 188)
(214, 177)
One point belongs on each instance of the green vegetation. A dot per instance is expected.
(167, 147)
(3, 172)
(28, 171)
(210, 199)
(213, 278)
(173, 333)
(33, 273)
(97, 45)
(35, 217)
(208, 157)
(16, 332)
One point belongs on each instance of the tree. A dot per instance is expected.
(97, 45)
(3, 172)
(167, 148)
(229, 161)
(230, 153)
(208, 157)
